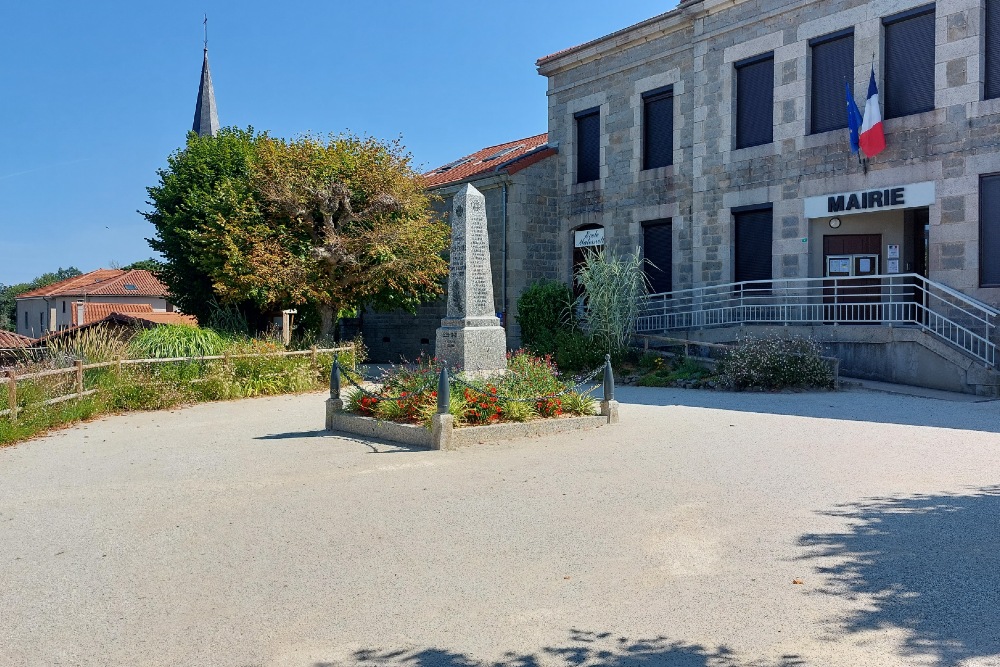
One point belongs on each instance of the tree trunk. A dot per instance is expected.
(327, 320)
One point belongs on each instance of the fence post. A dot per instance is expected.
(335, 378)
(444, 393)
(609, 379)
(79, 378)
(609, 406)
(315, 360)
(118, 366)
(12, 394)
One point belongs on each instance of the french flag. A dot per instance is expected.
(872, 137)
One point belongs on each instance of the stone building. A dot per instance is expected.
(517, 179)
(714, 137)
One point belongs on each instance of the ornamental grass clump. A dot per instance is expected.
(775, 363)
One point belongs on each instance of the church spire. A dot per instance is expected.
(206, 116)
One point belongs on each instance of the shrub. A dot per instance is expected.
(582, 404)
(93, 345)
(775, 363)
(613, 288)
(576, 352)
(176, 340)
(544, 310)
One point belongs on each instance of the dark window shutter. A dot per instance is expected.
(588, 146)
(992, 48)
(658, 130)
(832, 66)
(989, 230)
(909, 63)
(755, 101)
(658, 249)
(754, 234)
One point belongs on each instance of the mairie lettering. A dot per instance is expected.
(861, 201)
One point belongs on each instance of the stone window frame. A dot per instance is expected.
(670, 78)
(599, 100)
(773, 42)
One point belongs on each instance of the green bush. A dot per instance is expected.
(775, 363)
(544, 310)
(175, 340)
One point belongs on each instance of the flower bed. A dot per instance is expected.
(531, 389)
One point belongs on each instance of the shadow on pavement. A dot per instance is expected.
(850, 405)
(582, 648)
(925, 564)
(374, 445)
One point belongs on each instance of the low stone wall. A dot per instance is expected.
(444, 435)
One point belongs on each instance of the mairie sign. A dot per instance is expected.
(869, 201)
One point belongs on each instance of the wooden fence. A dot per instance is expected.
(77, 369)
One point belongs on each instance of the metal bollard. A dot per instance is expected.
(335, 378)
(444, 393)
(609, 379)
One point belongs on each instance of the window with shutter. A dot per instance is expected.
(909, 62)
(992, 48)
(658, 128)
(755, 101)
(832, 67)
(754, 237)
(588, 145)
(658, 250)
(989, 230)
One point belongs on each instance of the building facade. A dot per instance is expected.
(719, 130)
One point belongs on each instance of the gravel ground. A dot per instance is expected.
(240, 534)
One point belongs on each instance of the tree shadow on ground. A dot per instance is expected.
(374, 445)
(583, 649)
(850, 405)
(927, 564)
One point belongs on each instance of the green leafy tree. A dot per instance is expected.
(332, 224)
(9, 293)
(153, 265)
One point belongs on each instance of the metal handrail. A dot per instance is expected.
(907, 298)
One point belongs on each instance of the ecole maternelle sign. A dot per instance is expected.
(868, 201)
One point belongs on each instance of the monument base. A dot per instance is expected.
(475, 350)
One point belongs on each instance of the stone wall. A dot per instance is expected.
(695, 49)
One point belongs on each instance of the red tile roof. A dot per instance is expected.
(104, 282)
(10, 340)
(492, 159)
(156, 318)
(95, 312)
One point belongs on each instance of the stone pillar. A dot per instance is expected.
(470, 336)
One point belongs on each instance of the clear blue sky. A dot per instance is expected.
(95, 95)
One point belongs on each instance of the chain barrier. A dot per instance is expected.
(577, 381)
(345, 373)
(583, 380)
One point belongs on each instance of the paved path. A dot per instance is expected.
(238, 534)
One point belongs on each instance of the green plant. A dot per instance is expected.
(580, 403)
(576, 352)
(92, 345)
(170, 341)
(775, 363)
(613, 288)
(544, 310)
(518, 411)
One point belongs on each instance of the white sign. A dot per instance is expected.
(892, 266)
(589, 238)
(868, 201)
(893, 251)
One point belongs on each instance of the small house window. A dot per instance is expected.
(909, 62)
(658, 128)
(992, 49)
(989, 230)
(832, 66)
(588, 145)
(755, 101)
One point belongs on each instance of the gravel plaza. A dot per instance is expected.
(706, 529)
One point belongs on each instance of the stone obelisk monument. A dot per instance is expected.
(470, 336)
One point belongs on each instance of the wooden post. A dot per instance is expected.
(79, 378)
(315, 359)
(12, 394)
(118, 366)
